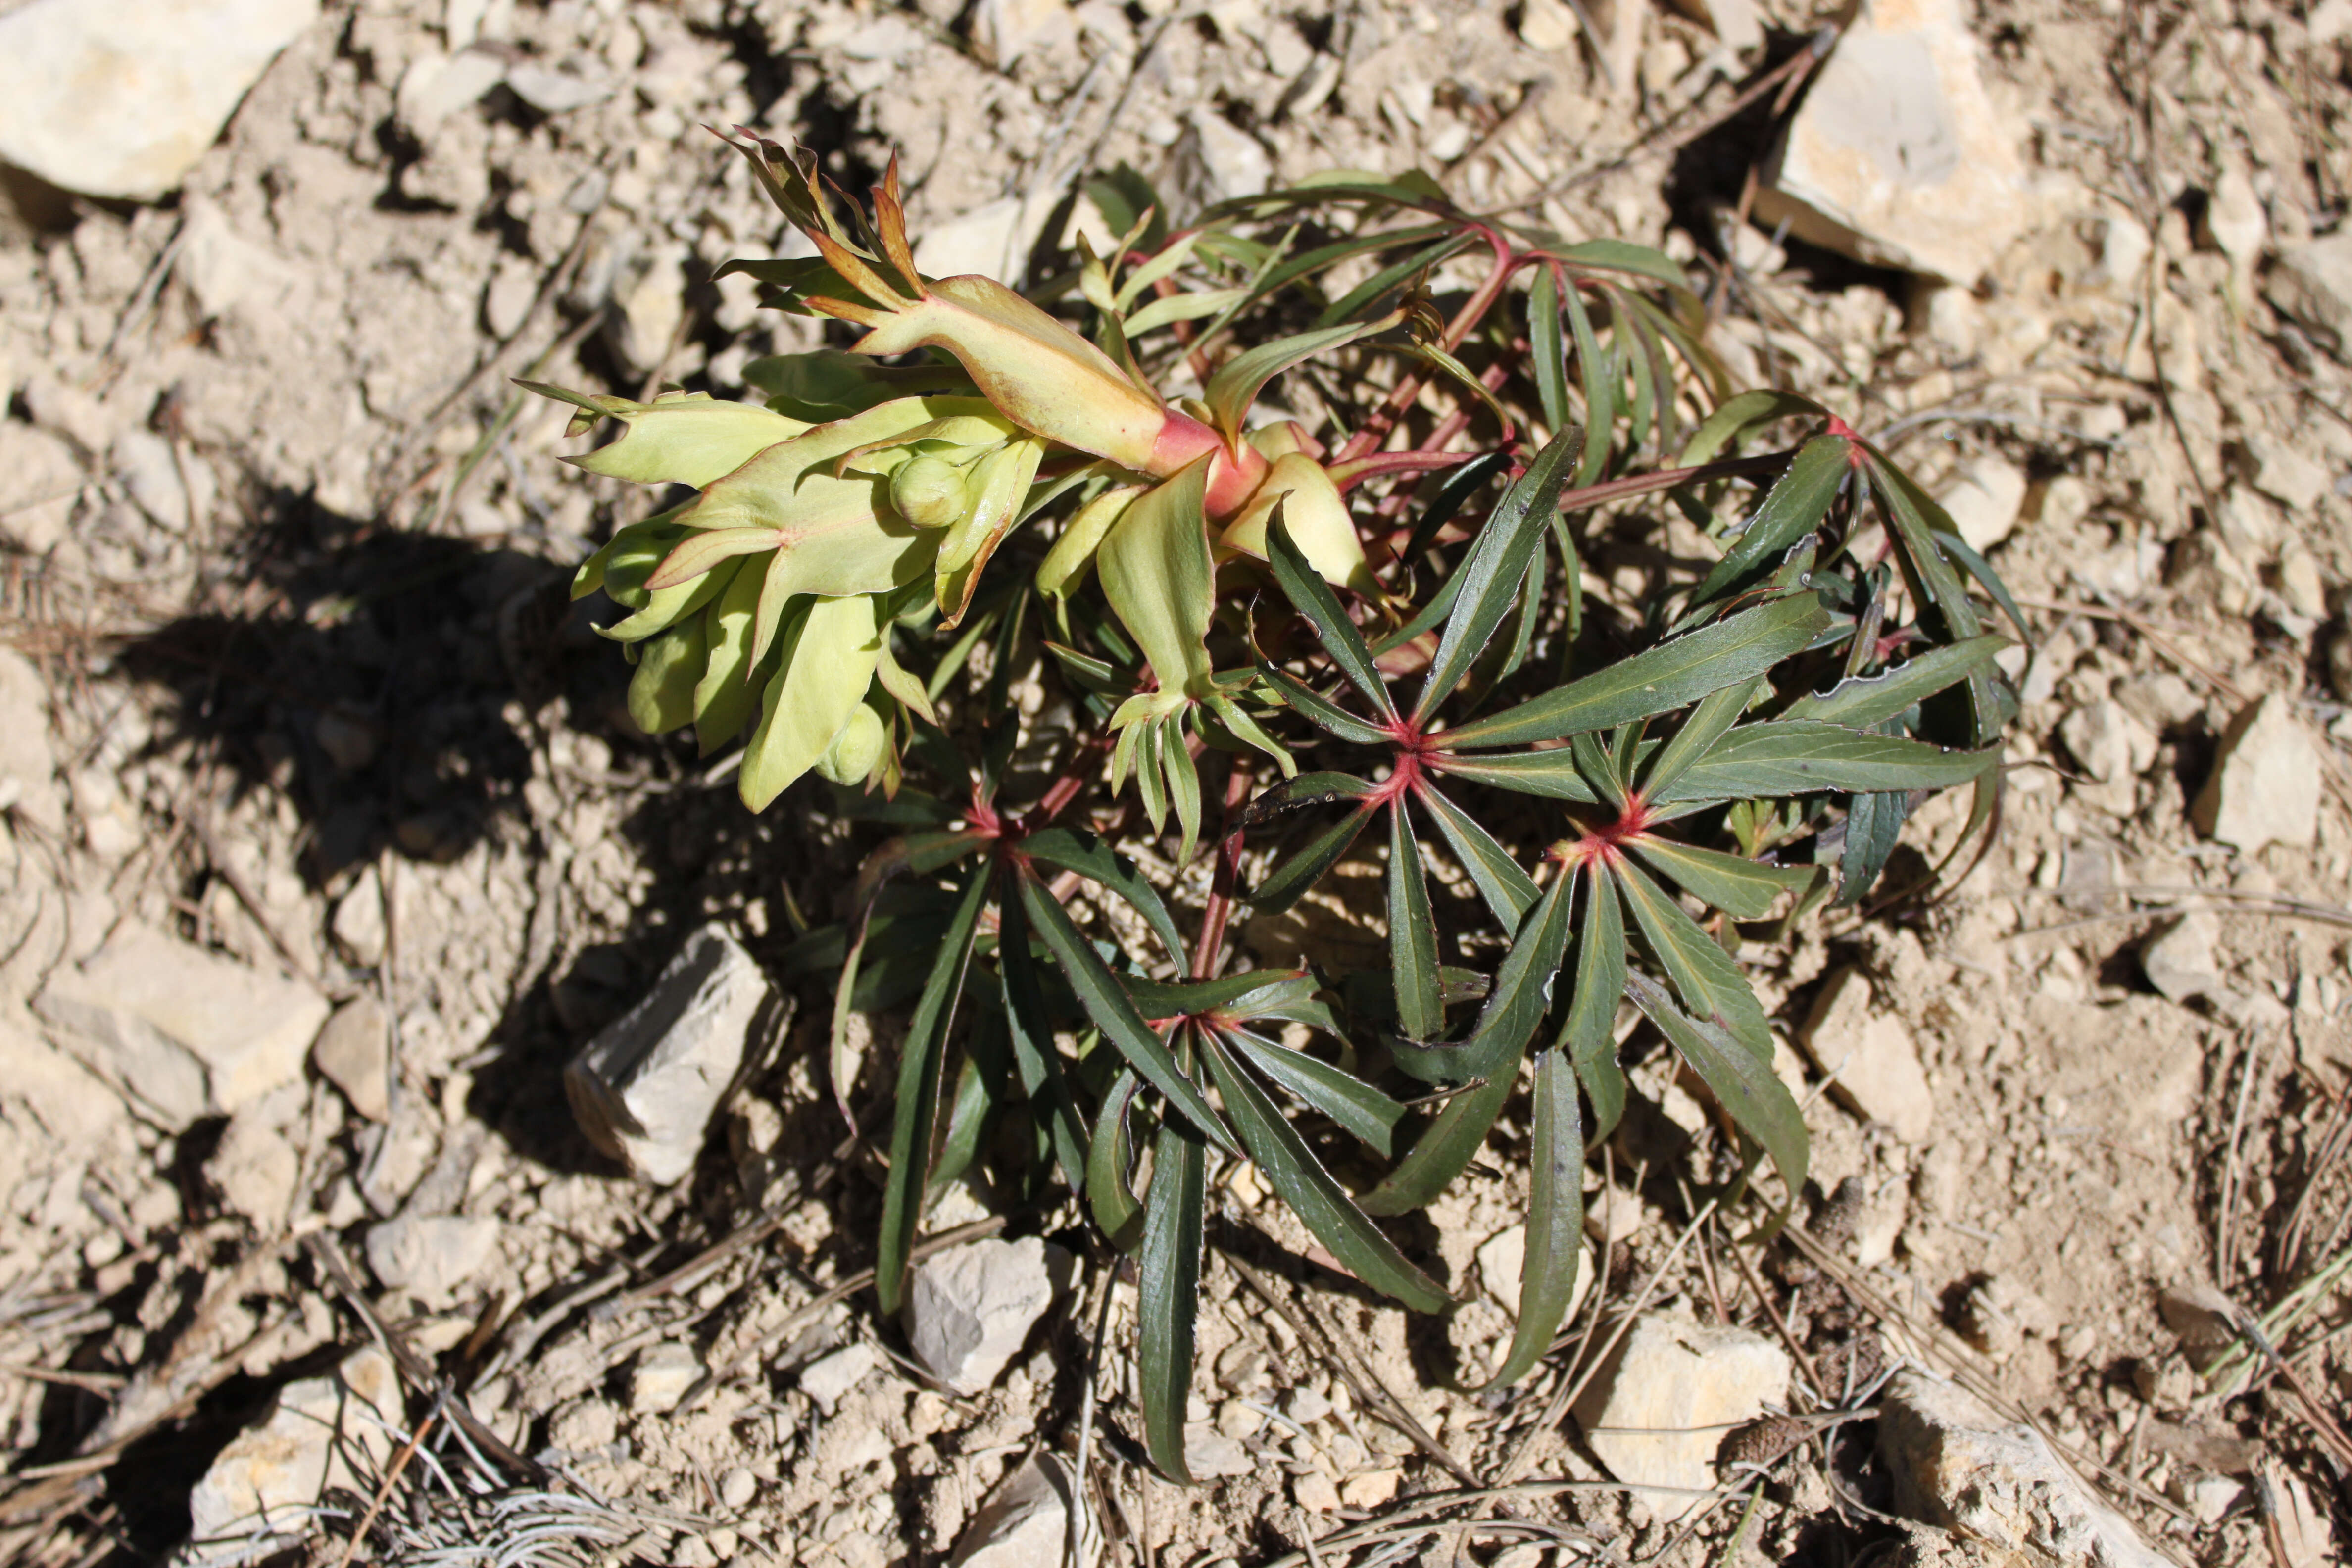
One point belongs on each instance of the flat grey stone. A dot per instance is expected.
(969, 1308)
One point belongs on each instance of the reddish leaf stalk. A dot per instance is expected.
(1229, 863)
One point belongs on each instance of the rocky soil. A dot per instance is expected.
(326, 842)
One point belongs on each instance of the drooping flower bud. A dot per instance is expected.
(927, 492)
(855, 747)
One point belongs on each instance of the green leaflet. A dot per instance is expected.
(1030, 1025)
(1862, 700)
(1075, 849)
(1300, 1180)
(1313, 598)
(1624, 256)
(1658, 680)
(1521, 996)
(1283, 886)
(1340, 1095)
(915, 1106)
(1736, 417)
(1707, 978)
(1155, 569)
(661, 692)
(1717, 712)
(1743, 1082)
(729, 692)
(1168, 1276)
(1240, 379)
(1491, 576)
(1506, 890)
(1109, 1157)
(682, 439)
(1588, 1031)
(1412, 934)
(1798, 502)
(1546, 348)
(1443, 1150)
(1555, 1217)
(1797, 756)
(1873, 823)
(1099, 992)
(829, 655)
(1743, 889)
(1553, 773)
(1231, 995)
(1322, 712)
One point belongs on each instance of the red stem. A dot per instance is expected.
(1474, 310)
(1229, 862)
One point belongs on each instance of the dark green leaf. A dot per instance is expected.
(1797, 756)
(1497, 564)
(1656, 681)
(916, 1104)
(1555, 1249)
(1412, 934)
(1597, 373)
(1742, 1081)
(1460, 486)
(1313, 598)
(1741, 888)
(967, 1117)
(1030, 1023)
(1167, 1277)
(1288, 882)
(1873, 823)
(1393, 275)
(1588, 1033)
(1227, 994)
(1322, 712)
(1598, 764)
(1717, 712)
(1105, 1002)
(1521, 996)
(1300, 1180)
(1443, 1150)
(1624, 256)
(1707, 976)
(1978, 567)
(1796, 504)
(1737, 417)
(1508, 889)
(1075, 849)
(1552, 774)
(1340, 1095)
(1546, 348)
(1867, 700)
(1109, 1157)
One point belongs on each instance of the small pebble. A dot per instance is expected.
(737, 1487)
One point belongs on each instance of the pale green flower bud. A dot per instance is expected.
(927, 492)
(854, 748)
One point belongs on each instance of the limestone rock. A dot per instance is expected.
(1658, 1410)
(981, 241)
(1984, 500)
(28, 765)
(828, 1378)
(1873, 1055)
(1209, 1455)
(433, 1258)
(185, 1031)
(120, 98)
(661, 1376)
(2278, 470)
(1502, 1264)
(2264, 788)
(353, 1052)
(2113, 748)
(1957, 1465)
(1897, 155)
(255, 1168)
(970, 1308)
(2312, 282)
(322, 1432)
(2180, 961)
(1025, 1520)
(43, 472)
(645, 1089)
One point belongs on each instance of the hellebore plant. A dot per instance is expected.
(1401, 606)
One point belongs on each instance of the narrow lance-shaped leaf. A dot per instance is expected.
(1490, 578)
(1347, 1099)
(1547, 351)
(1443, 1150)
(1555, 1247)
(1797, 756)
(1109, 1156)
(1798, 500)
(1313, 598)
(1412, 934)
(1238, 383)
(1286, 883)
(1552, 774)
(1658, 680)
(1594, 369)
(1300, 1180)
(1167, 1277)
(1873, 823)
(1717, 712)
(1521, 996)
(1099, 992)
(1075, 849)
(1322, 712)
(1030, 1026)
(1588, 1033)
(1866, 699)
(916, 1108)
(1706, 976)
(1742, 1082)
(1508, 889)
(1741, 888)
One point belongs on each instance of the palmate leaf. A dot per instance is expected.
(1555, 1217)
(1490, 578)
(1705, 976)
(916, 1107)
(1742, 1081)
(1670, 676)
(1168, 1280)
(1300, 1180)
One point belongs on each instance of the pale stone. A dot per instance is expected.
(2264, 788)
(255, 1169)
(1897, 155)
(185, 1030)
(1657, 1412)
(120, 98)
(309, 1442)
(1734, 22)
(437, 86)
(2300, 582)
(1985, 499)
(1958, 1466)
(2279, 471)
(1209, 1455)
(1025, 1520)
(353, 1052)
(1315, 1492)
(1231, 161)
(555, 91)
(2113, 747)
(652, 308)
(2312, 282)
(969, 1308)
(1871, 1054)
(433, 1258)
(359, 920)
(643, 1089)
(981, 242)
(1547, 25)
(1004, 30)
(1371, 1488)
(2234, 222)
(1502, 1262)
(826, 1379)
(28, 764)
(661, 1376)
